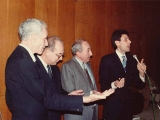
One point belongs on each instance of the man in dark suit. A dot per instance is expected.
(47, 63)
(28, 95)
(120, 73)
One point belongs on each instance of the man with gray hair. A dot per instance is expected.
(29, 96)
(77, 74)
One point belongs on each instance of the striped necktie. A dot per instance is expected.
(88, 76)
(124, 62)
(49, 71)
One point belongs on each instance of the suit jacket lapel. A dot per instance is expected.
(78, 66)
(117, 62)
(128, 64)
(56, 78)
(93, 79)
(82, 71)
(43, 73)
(25, 52)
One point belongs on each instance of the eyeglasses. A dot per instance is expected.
(59, 56)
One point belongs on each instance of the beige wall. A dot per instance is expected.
(93, 20)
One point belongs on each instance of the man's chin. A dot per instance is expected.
(39, 53)
(128, 50)
(54, 63)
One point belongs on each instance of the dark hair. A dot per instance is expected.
(116, 35)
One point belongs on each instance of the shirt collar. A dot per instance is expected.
(79, 61)
(29, 51)
(120, 55)
(44, 64)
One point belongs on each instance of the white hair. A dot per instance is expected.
(29, 27)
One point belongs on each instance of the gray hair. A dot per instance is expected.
(77, 46)
(51, 42)
(29, 27)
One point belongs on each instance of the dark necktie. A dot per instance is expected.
(88, 76)
(124, 62)
(49, 71)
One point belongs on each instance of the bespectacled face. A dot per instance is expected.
(123, 45)
(56, 55)
(86, 53)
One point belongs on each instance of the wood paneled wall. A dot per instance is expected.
(93, 20)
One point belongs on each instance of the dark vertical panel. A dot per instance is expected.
(136, 44)
(152, 38)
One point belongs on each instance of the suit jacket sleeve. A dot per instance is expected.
(137, 83)
(30, 80)
(67, 78)
(74, 78)
(105, 74)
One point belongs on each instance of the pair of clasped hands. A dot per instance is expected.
(141, 68)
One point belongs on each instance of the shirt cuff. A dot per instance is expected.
(113, 86)
(91, 92)
(142, 78)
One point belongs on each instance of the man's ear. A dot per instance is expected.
(78, 53)
(32, 38)
(49, 51)
(116, 42)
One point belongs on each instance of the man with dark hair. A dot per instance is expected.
(119, 70)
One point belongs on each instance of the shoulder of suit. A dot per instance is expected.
(69, 62)
(129, 56)
(108, 56)
(54, 67)
(19, 53)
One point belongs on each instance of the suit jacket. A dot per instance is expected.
(56, 86)
(28, 95)
(111, 69)
(74, 78)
